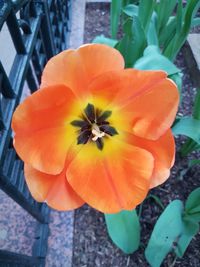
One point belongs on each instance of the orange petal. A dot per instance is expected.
(155, 111)
(43, 134)
(121, 86)
(163, 151)
(45, 150)
(45, 108)
(148, 98)
(52, 189)
(77, 68)
(115, 183)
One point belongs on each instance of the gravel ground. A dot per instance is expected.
(92, 246)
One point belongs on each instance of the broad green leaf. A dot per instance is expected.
(154, 60)
(167, 230)
(131, 10)
(179, 21)
(177, 78)
(116, 7)
(195, 22)
(145, 13)
(190, 229)
(127, 2)
(164, 10)
(152, 37)
(133, 43)
(179, 17)
(192, 206)
(189, 146)
(188, 126)
(101, 39)
(124, 230)
(167, 33)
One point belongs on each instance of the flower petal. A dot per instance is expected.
(118, 182)
(45, 108)
(148, 98)
(53, 189)
(43, 133)
(77, 68)
(121, 86)
(163, 151)
(45, 150)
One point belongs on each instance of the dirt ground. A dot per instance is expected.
(92, 246)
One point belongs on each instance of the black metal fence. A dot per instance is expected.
(39, 29)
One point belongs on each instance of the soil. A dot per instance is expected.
(92, 246)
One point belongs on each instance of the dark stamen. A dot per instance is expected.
(79, 123)
(108, 129)
(84, 137)
(104, 116)
(90, 112)
(99, 143)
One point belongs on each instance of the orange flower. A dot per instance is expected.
(96, 133)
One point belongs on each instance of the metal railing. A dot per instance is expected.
(39, 29)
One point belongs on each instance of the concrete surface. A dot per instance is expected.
(194, 42)
(191, 52)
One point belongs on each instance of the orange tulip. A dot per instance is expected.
(96, 132)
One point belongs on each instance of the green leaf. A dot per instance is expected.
(190, 229)
(101, 39)
(188, 126)
(152, 37)
(192, 206)
(189, 146)
(195, 22)
(131, 10)
(167, 230)
(176, 43)
(154, 60)
(133, 43)
(179, 21)
(116, 7)
(164, 10)
(177, 78)
(145, 13)
(124, 230)
(196, 108)
(167, 33)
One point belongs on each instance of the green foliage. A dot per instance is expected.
(174, 229)
(153, 60)
(116, 12)
(157, 19)
(116, 7)
(124, 230)
(145, 12)
(187, 126)
(101, 39)
(167, 229)
(133, 43)
(164, 10)
(192, 206)
(184, 20)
